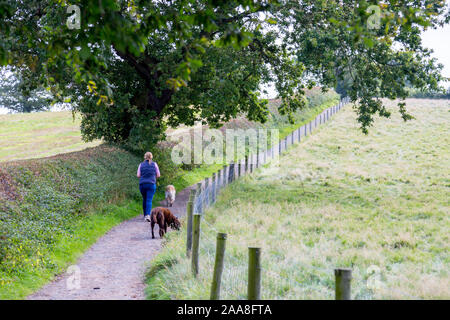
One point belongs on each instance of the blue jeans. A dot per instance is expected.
(148, 191)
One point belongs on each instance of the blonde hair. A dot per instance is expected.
(148, 156)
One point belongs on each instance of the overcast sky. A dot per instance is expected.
(439, 41)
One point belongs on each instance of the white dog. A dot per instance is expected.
(170, 195)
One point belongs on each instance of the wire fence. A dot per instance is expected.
(205, 195)
(209, 188)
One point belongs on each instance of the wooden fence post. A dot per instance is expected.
(199, 197)
(231, 173)
(207, 193)
(254, 274)
(195, 243)
(190, 213)
(239, 171)
(218, 266)
(213, 198)
(224, 176)
(343, 278)
(257, 155)
(192, 194)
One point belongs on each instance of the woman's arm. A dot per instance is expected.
(158, 174)
(139, 172)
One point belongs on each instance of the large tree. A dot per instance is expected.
(134, 67)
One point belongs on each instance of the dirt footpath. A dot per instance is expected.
(114, 267)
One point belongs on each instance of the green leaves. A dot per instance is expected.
(184, 60)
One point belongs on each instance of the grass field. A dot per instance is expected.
(377, 203)
(37, 135)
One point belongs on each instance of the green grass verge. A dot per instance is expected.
(306, 116)
(67, 250)
(377, 203)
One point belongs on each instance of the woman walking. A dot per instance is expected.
(147, 173)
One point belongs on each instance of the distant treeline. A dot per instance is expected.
(415, 93)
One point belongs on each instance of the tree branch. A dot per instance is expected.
(142, 69)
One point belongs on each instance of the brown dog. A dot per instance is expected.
(163, 217)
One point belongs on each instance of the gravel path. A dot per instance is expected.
(114, 267)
